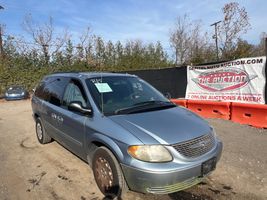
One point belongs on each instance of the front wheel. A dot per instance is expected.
(108, 175)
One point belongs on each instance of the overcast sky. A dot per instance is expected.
(148, 20)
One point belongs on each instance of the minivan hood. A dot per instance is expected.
(168, 126)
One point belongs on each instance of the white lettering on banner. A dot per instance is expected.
(241, 80)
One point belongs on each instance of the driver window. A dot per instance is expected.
(74, 92)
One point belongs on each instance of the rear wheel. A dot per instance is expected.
(108, 174)
(42, 136)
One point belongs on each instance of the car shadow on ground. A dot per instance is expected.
(205, 191)
(184, 195)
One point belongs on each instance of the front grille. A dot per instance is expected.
(175, 187)
(196, 147)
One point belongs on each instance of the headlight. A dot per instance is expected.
(6, 94)
(22, 93)
(213, 131)
(150, 153)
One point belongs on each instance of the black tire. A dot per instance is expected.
(41, 135)
(117, 187)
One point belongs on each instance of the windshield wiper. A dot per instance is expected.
(145, 106)
(151, 102)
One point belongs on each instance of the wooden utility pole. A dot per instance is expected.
(216, 38)
(265, 45)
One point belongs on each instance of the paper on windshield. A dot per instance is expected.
(103, 87)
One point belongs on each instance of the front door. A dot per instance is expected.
(73, 126)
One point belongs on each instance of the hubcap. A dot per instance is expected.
(104, 175)
(39, 131)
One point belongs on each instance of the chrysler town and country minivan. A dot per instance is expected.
(129, 133)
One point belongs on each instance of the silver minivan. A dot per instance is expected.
(129, 133)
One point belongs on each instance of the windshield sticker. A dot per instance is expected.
(138, 86)
(103, 87)
(96, 80)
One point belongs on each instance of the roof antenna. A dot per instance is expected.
(101, 94)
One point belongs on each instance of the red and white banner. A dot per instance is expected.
(241, 80)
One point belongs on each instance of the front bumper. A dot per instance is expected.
(159, 182)
(10, 98)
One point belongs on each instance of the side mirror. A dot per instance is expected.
(168, 95)
(77, 107)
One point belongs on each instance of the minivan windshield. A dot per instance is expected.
(125, 95)
(12, 88)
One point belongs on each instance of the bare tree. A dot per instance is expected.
(235, 23)
(44, 36)
(22, 46)
(188, 40)
(85, 47)
(260, 49)
(198, 43)
(180, 37)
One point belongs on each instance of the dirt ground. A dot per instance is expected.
(29, 170)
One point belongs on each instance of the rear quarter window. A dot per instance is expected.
(39, 91)
(52, 89)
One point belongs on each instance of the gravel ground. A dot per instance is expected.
(29, 170)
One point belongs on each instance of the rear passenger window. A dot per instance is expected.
(74, 92)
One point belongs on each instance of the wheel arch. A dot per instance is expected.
(35, 116)
(98, 140)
